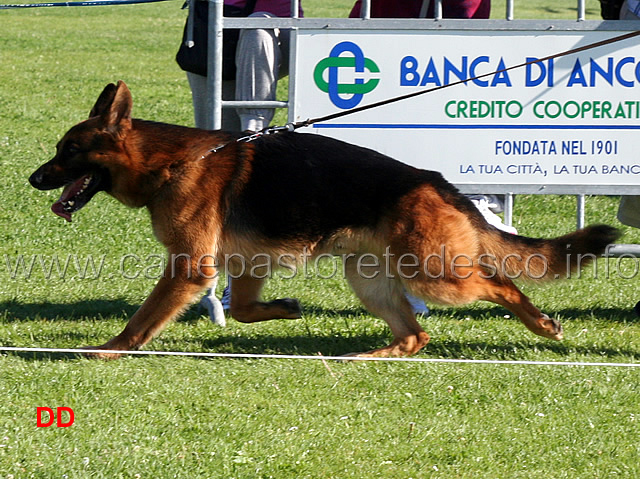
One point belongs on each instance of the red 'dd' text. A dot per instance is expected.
(46, 420)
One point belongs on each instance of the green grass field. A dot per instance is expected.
(160, 417)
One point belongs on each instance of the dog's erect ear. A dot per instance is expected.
(114, 108)
(104, 100)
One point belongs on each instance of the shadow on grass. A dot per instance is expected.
(333, 344)
(494, 312)
(452, 349)
(303, 345)
(437, 348)
(13, 311)
(80, 310)
(102, 308)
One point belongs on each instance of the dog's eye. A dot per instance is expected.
(70, 149)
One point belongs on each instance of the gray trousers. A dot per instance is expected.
(262, 57)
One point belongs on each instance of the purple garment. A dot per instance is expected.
(279, 8)
(411, 9)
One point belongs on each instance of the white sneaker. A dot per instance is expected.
(214, 308)
(494, 202)
(418, 306)
(481, 202)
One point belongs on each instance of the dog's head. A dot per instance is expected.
(87, 153)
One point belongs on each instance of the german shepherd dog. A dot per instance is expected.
(292, 195)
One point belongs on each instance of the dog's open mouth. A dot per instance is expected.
(75, 195)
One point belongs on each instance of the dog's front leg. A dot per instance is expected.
(183, 279)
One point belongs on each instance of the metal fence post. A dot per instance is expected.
(437, 10)
(509, 12)
(582, 10)
(214, 65)
(508, 209)
(580, 206)
(365, 9)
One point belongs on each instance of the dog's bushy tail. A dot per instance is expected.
(512, 256)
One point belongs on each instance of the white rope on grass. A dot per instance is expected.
(8, 349)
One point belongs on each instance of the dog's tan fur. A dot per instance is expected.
(292, 195)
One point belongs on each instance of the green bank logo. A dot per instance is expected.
(345, 95)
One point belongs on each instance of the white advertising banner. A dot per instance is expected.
(573, 120)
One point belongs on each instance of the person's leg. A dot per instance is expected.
(258, 67)
(198, 85)
(199, 96)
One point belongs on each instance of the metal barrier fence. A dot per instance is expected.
(219, 22)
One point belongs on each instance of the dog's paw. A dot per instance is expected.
(400, 347)
(99, 353)
(290, 306)
(550, 328)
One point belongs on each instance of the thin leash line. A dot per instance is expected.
(9, 349)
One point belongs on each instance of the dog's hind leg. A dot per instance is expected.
(505, 293)
(475, 285)
(247, 308)
(384, 297)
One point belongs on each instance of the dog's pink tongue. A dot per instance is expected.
(58, 209)
(69, 191)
